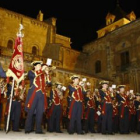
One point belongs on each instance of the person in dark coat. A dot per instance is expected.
(16, 105)
(123, 100)
(89, 112)
(56, 96)
(107, 108)
(36, 101)
(76, 105)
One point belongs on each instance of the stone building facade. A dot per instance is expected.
(115, 54)
(40, 42)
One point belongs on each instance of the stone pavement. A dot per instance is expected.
(65, 136)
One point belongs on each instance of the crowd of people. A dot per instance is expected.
(106, 110)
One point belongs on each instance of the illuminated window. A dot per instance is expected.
(109, 21)
(10, 44)
(34, 50)
(98, 66)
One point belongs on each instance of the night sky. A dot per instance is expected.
(75, 19)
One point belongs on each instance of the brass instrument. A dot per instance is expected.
(3, 87)
(48, 68)
(22, 94)
(60, 93)
(19, 94)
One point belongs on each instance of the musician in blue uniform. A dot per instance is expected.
(107, 108)
(76, 105)
(123, 101)
(132, 115)
(64, 117)
(56, 96)
(89, 112)
(15, 108)
(16, 105)
(137, 105)
(36, 101)
(97, 98)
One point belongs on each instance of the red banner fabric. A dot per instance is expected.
(16, 67)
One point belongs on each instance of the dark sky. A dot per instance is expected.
(75, 19)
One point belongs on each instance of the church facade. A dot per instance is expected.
(40, 42)
(116, 53)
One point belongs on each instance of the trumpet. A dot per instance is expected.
(22, 94)
(48, 69)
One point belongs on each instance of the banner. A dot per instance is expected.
(16, 67)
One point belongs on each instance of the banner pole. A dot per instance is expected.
(10, 104)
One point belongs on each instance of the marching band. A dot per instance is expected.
(106, 110)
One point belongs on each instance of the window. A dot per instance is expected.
(125, 58)
(109, 21)
(34, 50)
(98, 66)
(10, 44)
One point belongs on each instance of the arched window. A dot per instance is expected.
(10, 44)
(98, 66)
(34, 50)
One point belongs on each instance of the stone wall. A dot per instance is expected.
(108, 49)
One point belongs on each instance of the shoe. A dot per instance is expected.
(27, 132)
(71, 133)
(104, 133)
(93, 131)
(40, 132)
(82, 133)
(111, 133)
(127, 133)
(59, 132)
